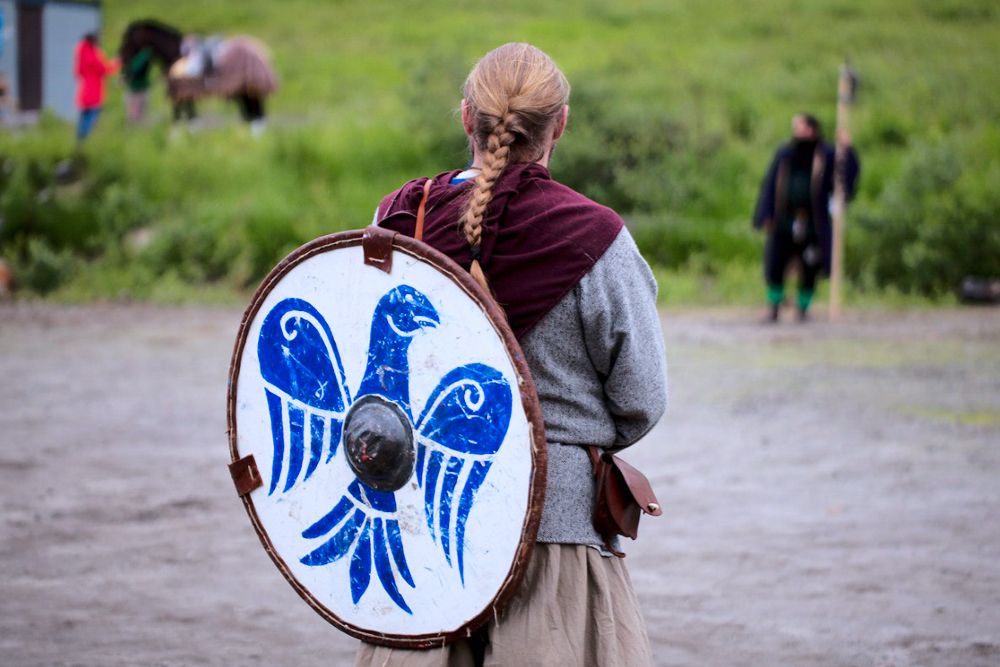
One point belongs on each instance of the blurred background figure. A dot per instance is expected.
(3, 77)
(794, 210)
(4, 97)
(91, 68)
(147, 43)
(138, 71)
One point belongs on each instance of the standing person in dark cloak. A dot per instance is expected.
(794, 210)
(582, 302)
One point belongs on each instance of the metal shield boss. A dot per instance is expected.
(386, 438)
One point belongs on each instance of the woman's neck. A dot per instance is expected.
(477, 158)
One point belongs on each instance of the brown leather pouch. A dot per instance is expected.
(623, 494)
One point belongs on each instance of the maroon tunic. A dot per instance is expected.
(539, 236)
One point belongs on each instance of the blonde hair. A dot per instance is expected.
(515, 95)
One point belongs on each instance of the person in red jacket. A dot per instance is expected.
(91, 68)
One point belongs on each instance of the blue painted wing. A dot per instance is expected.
(305, 386)
(363, 523)
(462, 426)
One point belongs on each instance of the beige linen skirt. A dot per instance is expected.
(575, 607)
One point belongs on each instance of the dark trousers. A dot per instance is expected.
(87, 121)
(781, 249)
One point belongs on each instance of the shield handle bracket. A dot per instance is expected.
(377, 246)
(245, 475)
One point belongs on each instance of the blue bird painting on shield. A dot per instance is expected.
(460, 429)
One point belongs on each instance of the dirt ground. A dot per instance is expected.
(831, 495)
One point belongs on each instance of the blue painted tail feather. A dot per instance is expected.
(368, 535)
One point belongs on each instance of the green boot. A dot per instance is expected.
(775, 295)
(804, 301)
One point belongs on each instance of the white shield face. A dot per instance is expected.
(428, 552)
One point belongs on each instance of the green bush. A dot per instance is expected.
(937, 222)
(679, 243)
(41, 269)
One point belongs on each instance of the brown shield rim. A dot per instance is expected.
(529, 400)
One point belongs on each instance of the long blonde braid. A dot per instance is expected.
(515, 95)
(496, 158)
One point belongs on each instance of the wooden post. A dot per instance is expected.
(845, 96)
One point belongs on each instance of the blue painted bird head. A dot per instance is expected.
(407, 311)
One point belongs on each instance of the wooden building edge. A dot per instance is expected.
(38, 40)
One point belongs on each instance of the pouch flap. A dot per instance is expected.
(639, 486)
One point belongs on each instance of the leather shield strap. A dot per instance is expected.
(418, 234)
(377, 246)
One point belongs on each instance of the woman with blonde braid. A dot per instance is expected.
(582, 303)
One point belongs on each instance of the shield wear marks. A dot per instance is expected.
(403, 511)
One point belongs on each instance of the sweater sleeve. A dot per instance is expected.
(621, 327)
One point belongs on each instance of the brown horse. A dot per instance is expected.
(237, 68)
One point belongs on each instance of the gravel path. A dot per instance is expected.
(831, 495)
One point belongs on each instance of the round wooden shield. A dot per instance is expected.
(386, 438)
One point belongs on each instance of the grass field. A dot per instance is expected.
(676, 110)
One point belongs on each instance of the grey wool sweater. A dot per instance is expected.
(599, 365)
